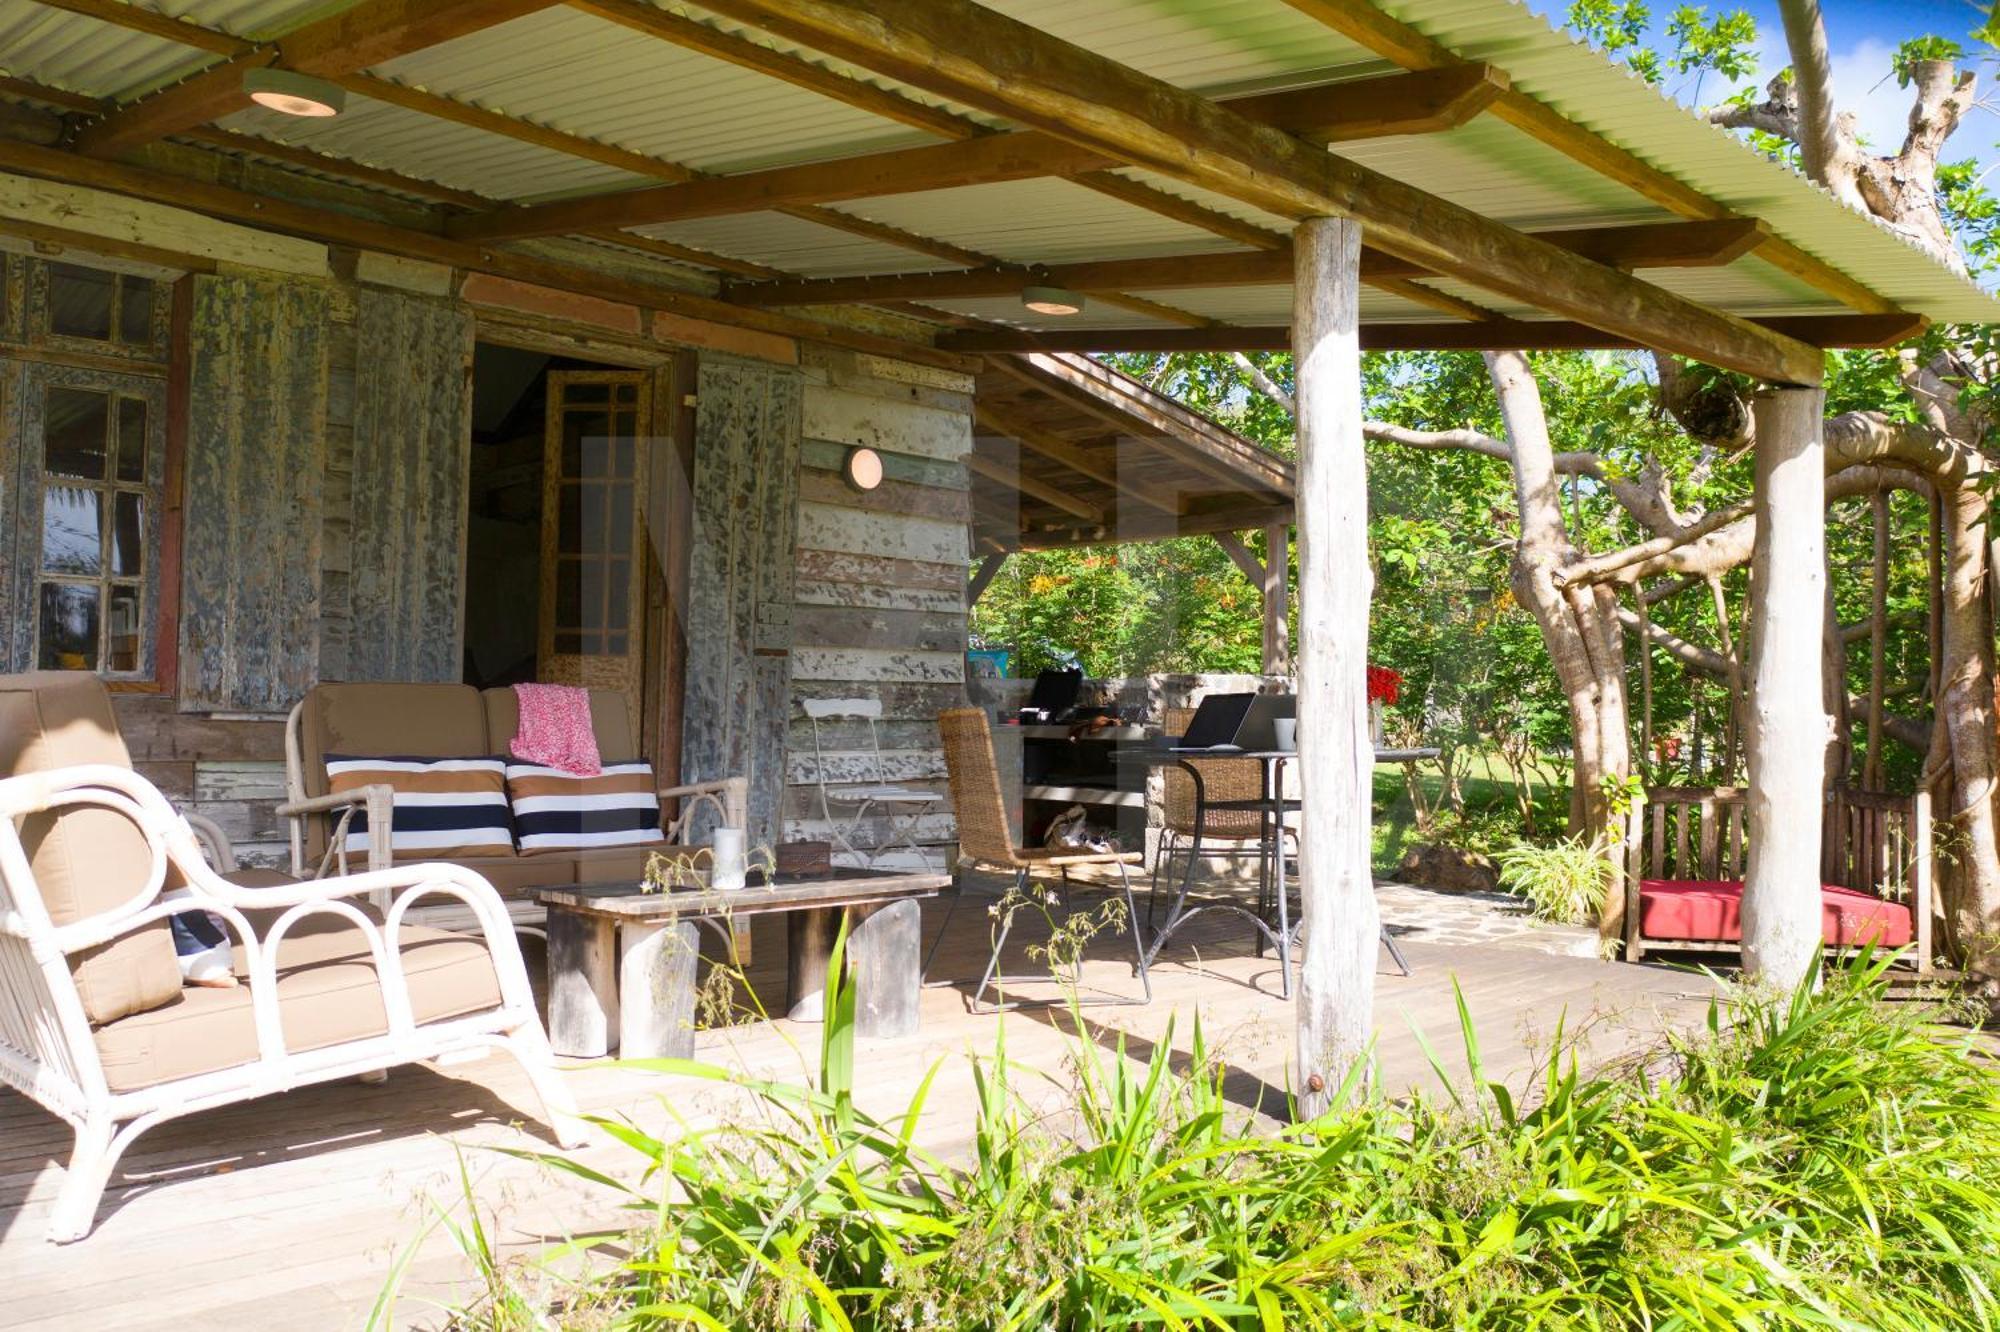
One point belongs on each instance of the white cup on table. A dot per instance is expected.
(1285, 733)
(726, 851)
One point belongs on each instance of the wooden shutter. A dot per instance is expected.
(257, 351)
(412, 442)
(740, 575)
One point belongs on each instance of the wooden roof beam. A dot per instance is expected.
(1373, 30)
(960, 50)
(1652, 245)
(1233, 518)
(334, 228)
(354, 39)
(903, 171)
(1423, 102)
(1833, 330)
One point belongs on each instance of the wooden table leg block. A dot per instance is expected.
(885, 945)
(656, 973)
(583, 984)
(810, 940)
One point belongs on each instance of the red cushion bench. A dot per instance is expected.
(1711, 911)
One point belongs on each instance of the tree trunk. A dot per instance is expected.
(1336, 761)
(1965, 705)
(1579, 624)
(1786, 726)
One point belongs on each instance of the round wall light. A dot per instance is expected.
(1052, 300)
(292, 93)
(864, 469)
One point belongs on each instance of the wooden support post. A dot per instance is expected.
(583, 983)
(1336, 1003)
(982, 577)
(656, 983)
(1277, 600)
(1786, 722)
(885, 953)
(1878, 632)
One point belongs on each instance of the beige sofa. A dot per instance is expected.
(95, 1024)
(458, 721)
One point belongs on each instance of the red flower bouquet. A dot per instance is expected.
(1384, 685)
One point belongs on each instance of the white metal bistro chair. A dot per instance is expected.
(854, 783)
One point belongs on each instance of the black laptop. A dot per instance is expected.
(1241, 722)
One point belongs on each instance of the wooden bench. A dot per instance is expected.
(1686, 849)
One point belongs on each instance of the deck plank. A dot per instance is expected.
(289, 1211)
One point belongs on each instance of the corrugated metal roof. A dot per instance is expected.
(589, 77)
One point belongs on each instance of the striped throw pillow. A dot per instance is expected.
(560, 811)
(444, 808)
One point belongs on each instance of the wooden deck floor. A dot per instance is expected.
(288, 1212)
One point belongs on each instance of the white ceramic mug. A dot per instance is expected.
(726, 848)
(1285, 733)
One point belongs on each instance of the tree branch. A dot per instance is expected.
(1266, 385)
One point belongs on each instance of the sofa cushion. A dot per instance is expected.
(86, 859)
(427, 720)
(443, 807)
(1696, 911)
(610, 721)
(327, 994)
(561, 811)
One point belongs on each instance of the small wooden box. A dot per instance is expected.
(805, 857)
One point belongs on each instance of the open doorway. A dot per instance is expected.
(556, 491)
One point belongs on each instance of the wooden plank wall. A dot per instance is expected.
(255, 469)
(880, 590)
(408, 487)
(740, 580)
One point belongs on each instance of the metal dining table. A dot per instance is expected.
(1271, 806)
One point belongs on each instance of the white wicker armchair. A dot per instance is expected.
(51, 1049)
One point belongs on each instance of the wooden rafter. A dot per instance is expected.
(1651, 245)
(286, 217)
(970, 160)
(356, 38)
(1370, 28)
(1424, 102)
(1138, 527)
(1122, 404)
(1015, 477)
(961, 50)
(1842, 330)
(1049, 444)
(996, 157)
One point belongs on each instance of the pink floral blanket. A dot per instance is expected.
(555, 729)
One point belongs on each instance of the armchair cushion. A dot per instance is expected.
(86, 858)
(327, 995)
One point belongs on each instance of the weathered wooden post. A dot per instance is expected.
(1277, 597)
(1336, 761)
(1786, 729)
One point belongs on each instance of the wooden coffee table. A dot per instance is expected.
(624, 961)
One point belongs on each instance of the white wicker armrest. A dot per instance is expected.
(377, 800)
(214, 841)
(729, 796)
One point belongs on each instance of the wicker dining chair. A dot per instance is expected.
(1185, 827)
(985, 840)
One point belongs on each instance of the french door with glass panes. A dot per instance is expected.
(88, 466)
(593, 530)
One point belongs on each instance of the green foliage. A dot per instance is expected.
(1617, 28)
(1812, 1160)
(1564, 881)
(1919, 49)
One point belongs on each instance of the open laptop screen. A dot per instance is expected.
(1216, 721)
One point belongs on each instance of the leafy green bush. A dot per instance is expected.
(1819, 1161)
(1565, 881)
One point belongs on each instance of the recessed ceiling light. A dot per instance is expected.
(1052, 300)
(292, 93)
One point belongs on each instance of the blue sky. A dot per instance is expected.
(1862, 35)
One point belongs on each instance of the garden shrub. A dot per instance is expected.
(1818, 1160)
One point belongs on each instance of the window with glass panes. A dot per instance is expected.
(96, 549)
(83, 450)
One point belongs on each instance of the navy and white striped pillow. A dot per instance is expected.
(445, 809)
(560, 811)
